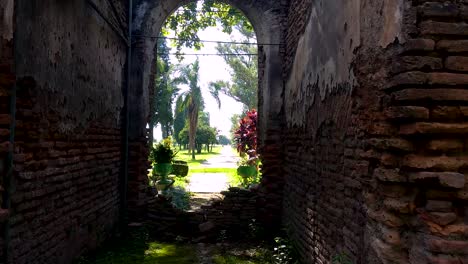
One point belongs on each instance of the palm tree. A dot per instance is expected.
(192, 99)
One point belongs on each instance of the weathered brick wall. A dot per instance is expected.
(374, 156)
(428, 199)
(7, 78)
(68, 141)
(234, 213)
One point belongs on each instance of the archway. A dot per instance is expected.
(266, 18)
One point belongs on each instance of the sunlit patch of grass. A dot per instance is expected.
(261, 256)
(139, 249)
(165, 253)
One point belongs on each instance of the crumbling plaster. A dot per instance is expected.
(6, 19)
(75, 59)
(325, 53)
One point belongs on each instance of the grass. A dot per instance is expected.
(196, 166)
(138, 248)
(199, 158)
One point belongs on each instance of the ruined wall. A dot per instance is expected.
(7, 79)
(374, 148)
(67, 151)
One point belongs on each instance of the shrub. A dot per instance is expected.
(162, 152)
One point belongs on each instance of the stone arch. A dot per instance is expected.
(149, 16)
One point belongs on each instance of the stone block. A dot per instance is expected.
(407, 112)
(434, 128)
(452, 46)
(444, 28)
(457, 63)
(443, 218)
(431, 94)
(438, 245)
(439, 9)
(438, 206)
(445, 179)
(434, 162)
(445, 145)
(419, 45)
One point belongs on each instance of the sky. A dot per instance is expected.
(212, 68)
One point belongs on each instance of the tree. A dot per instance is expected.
(223, 140)
(206, 135)
(188, 20)
(244, 71)
(192, 99)
(180, 119)
(165, 92)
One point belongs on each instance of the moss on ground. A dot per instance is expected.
(138, 248)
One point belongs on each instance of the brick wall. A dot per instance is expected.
(426, 108)
(68, 141)
(377, 172)
(7, 79)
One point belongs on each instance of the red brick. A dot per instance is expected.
(391, 144)
(445, 179)
(434, 128)
(443, 218)
(438, 245)
(414, 63)
(449, 113)
(407, 112)
(444, 28)
(432, 163)
(453, 46)
(438, 206)
(437, 9)
(445, 145)
(443, 259)
(419, 45)
(448, 78)
(431, 94)
(457, 63)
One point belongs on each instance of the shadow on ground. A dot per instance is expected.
(137, 247)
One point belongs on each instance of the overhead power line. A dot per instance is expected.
(207, 11)
(208, 41)
(209, 54)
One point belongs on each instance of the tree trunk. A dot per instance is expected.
(193, 123)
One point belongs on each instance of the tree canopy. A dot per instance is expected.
(165, 92)
(189, 19)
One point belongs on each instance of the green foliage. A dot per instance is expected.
(138, 247)
(284, 252)
(205, 135)
(180, 119)
(179, 196)
(223, 140)
(244, 72)
(165, 91)
(162, 152)
(188, 20)
(191, 100)
(341, 259)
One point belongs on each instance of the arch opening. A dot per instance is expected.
(149, 17)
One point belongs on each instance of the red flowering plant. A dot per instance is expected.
(246, 138)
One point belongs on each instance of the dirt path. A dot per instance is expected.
(226, 159)
(207, 186)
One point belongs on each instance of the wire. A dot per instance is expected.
(208, 41)
(204, 11)
(209, 54)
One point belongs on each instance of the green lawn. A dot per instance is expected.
(199, 158)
